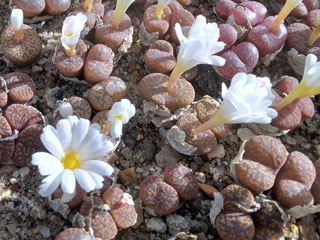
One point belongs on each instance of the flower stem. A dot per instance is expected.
(285, 11)
(298, 92)
(87, 6)
(178, 70)
(71, 51)
(217, 120)
(314, 36)
(158, 12)
(19, 35)
(118, 15)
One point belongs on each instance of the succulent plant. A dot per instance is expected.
(262, 160)
(20, 43)
(99, 64)
(293, 182)
(160, 58)
(158, 195)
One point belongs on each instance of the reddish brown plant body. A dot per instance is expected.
(99, 64)
(71, 66)
(101, 98)
(113, 38)
(73, 234)
(153, 87)
(159, 57)
(152, 25)
(185, 19)
(30, 8)
(21, 54)
(182, 180)
(158, 195)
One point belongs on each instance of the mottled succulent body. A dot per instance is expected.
(235, 226)
(205, 109)
(182, 180)
(185, 19)
(204, 141)
(113, 38)
(73, 234)
(159, 57)
(298, 36)
(102, 98)
(28, 143)
(76, 201)
(235, 195)
(316, 184)
(21, 54)
(262, 160)
(158, 195)
(99, 64)
(153, 87)
(123, 214)
(20, 86)
(265, 40)
(30, 8)
(268, 222)
(242, 58)
(6, 147)
(153, 25)
(20, 116)
(71, 66)
(293, 183)
(54, 7)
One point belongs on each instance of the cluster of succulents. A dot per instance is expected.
(74, 154)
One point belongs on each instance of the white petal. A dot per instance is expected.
(100, 167)
(91, 146)
(50, 184)
(66, 197)
(182, 39)
(51, 142)
(79, 132)
(47, 163)
(116, 129)
(64, 132)
(97, 179)
(16, 19)
(85, 180)
(68, 181)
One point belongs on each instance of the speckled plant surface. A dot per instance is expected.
(143, 150)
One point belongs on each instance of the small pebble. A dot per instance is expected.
(176, 224)
(156, 225)
(150, 151)
(218, 152)
(167, 155)
(45, 231)
(128, 176)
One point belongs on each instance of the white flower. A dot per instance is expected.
(120, 114)
(311, 75)
(71, 30)
(247, 100)
(201, 44)
(65, 109)
(74, 147)
(16, 19)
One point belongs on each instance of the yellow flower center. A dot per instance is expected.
(118, 117)
(69, 33)
(70, 160)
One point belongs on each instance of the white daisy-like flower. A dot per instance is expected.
(74, 147)
(198, 48)
(120, 114)
(16, 19)
(71, 30)
(247, 100)
(309, 85)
